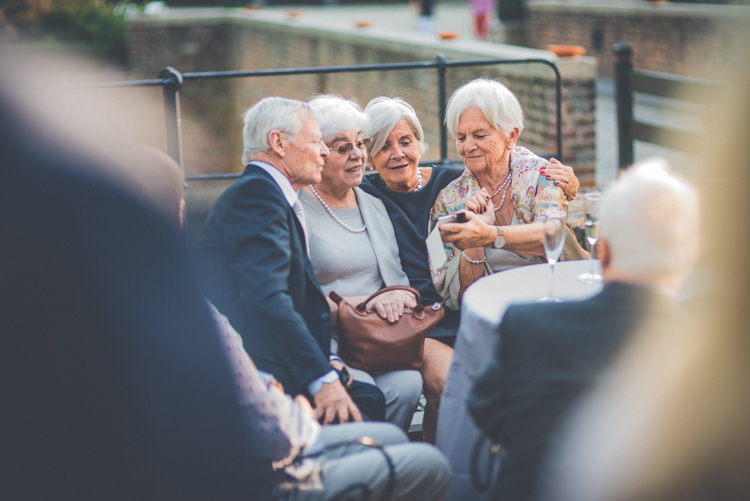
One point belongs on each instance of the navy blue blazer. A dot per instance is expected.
(549, 354)
(253, 265)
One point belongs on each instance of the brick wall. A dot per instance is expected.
(684, 39)
(215, 39)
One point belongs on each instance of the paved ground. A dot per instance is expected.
(449, 16)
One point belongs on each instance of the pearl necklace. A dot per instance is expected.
(419, 180)
(504, 185)
(333, 215)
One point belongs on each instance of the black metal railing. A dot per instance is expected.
(629, 81)
(172, 81)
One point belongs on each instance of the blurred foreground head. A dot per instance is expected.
(671, 420)
(649, 225)
(115, 385)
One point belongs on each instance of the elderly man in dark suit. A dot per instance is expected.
(550, 353)
(255, 268)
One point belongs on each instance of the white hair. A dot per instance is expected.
(496, 102)
(271, 113)
(650, 220)
(336, 114)
(385, 113)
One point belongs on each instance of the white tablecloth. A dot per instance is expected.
(483, 306)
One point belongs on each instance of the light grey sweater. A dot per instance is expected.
(353, 264)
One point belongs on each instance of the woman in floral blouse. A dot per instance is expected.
(505, 191)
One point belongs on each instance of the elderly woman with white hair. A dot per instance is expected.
(506, 191)
(409, 192)
(353, 247)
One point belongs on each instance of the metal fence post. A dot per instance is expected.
(441, 70)
(624, 96)
(171, 89)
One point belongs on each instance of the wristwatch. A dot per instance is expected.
(499, 242)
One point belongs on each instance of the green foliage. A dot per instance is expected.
(91, 22)
(95, 25)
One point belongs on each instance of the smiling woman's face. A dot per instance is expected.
(398, 160)
(345, 170)
(482, 147)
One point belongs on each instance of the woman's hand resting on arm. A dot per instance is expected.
(563, 176)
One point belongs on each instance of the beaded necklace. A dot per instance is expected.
(333, 215)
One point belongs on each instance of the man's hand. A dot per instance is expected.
(333, 401)
(473, 233)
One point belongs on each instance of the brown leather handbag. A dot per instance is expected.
(370, 343)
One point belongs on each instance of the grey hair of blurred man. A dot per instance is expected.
(335, 114)
(160, 180)
(271, 113)
(496, 102)
(650, 221)
(385, 113)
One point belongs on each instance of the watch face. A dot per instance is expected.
(499, 242)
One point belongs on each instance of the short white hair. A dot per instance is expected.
(496, 102)
(271, 113)
(650, 219)
(385, 113)
(336, 114)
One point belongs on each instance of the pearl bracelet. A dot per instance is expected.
(474, 261)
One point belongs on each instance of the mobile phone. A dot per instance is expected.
(456, 217)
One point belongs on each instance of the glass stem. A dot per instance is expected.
(591, 262)
(551, 280)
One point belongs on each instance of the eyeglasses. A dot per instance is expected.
(346, 148)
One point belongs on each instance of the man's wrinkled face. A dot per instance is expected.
(307, 153)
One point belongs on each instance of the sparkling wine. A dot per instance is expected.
(592, 232)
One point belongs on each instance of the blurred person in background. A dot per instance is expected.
(549, 354)
(671, 419)
(482, 10)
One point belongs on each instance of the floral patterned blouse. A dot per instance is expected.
(530, 193)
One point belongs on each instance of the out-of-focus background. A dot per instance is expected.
(136, 40)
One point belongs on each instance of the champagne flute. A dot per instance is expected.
(591, 226)
(554, 240)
